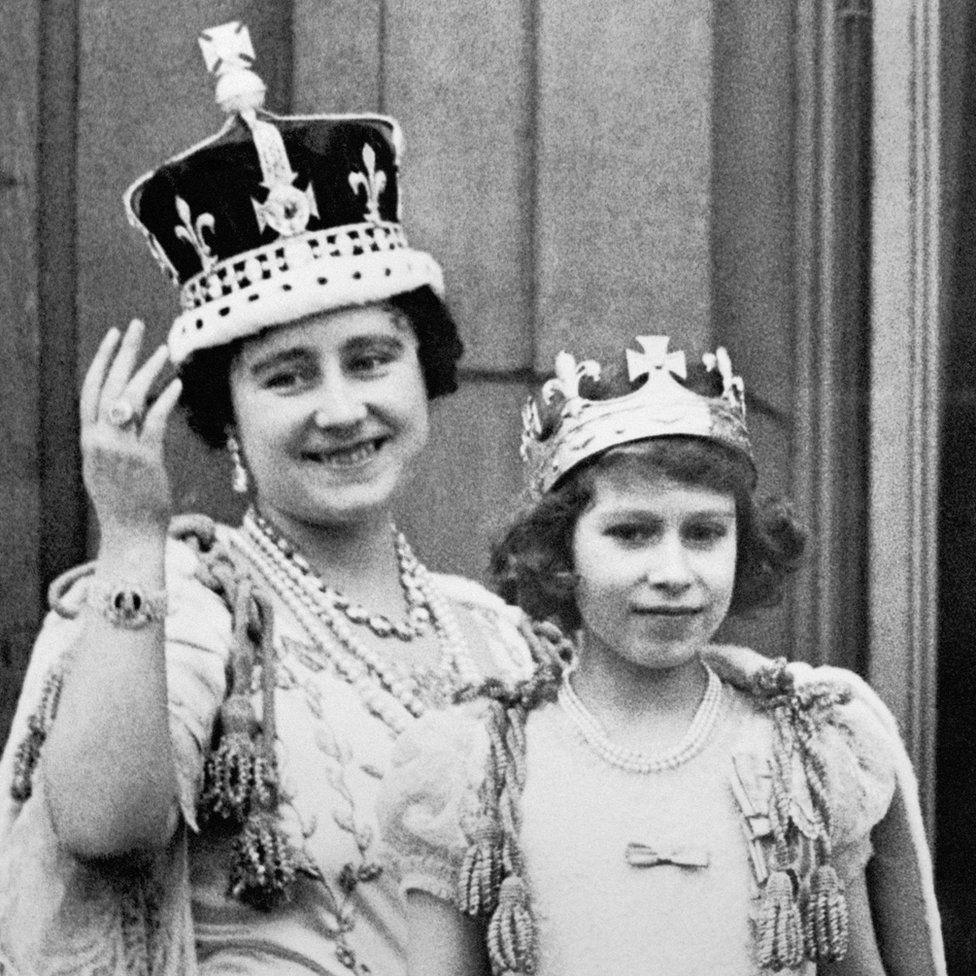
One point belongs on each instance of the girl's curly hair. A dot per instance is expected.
(532, 562)
(206, 397)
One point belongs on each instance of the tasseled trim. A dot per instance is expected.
(803, 909)
(492, 883)
(265, 864)
(825, 917)
(511, 931)
(481, 872)
(779, 933)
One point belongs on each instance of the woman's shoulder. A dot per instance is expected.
(493, 628)
(430, 793)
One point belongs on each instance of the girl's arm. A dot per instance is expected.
(442, 941)
(863, 957)
(108, 765)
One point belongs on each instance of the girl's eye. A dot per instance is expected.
(705, 533)
(630, 534)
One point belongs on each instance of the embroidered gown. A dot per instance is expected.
(631, 871)
(333, 754)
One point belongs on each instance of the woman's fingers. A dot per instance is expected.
(154, 425)
(138, 387)
(91, 388)
(121, 369)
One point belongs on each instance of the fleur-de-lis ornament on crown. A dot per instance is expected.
(733, 389)
(566, 382)
(192, 232)
(373, 183)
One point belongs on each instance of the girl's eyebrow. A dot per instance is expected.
(648, 515)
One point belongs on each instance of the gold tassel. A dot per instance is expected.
(779, 929)
(511, 931)
(480, 875)
(826, 922)
(239, 776)
(265, 863)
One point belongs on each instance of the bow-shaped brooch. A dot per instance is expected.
(642, 856)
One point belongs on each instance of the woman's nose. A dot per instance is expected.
(339, 405)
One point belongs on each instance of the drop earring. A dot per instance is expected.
(240, 480)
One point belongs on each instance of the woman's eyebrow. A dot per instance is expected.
(279, 358)
(363, 343)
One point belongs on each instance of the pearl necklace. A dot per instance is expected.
(418, 618)
(692, 742)
(392, 693)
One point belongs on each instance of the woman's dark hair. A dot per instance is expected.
(532, 561)
(206, 397)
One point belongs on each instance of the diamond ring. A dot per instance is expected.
(121, 412)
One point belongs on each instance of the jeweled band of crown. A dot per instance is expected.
(568, 428)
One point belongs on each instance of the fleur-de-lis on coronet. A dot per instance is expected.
(733, 389)
(655, 357)
(193, 232)
(567, 380)
(373, 183)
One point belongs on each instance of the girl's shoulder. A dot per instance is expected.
(839, 739)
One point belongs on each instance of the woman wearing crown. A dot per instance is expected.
(649, 802)
(206, 720)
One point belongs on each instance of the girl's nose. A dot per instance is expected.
(668, 570)
(339, 405)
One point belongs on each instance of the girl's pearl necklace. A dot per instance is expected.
(690, 745)
(392, 693)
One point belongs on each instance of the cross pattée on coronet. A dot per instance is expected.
(561, 428)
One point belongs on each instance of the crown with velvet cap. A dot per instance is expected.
(562, 427)
(275, 217)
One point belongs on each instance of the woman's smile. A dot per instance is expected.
(331, 412)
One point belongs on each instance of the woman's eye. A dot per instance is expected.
(369, 364)
(283, 380)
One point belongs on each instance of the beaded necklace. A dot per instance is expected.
(418, 619)
(392, 692)
(691, 744)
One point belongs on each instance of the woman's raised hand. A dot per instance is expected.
(122, 440)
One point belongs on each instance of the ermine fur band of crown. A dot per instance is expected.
(580, 428)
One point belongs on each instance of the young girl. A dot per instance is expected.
(649, 802)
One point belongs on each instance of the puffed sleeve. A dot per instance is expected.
(198, 640)
(429, 792)
(860, 759)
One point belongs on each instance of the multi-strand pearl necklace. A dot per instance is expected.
(418, 618)
(692, 742)
(393, 693)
